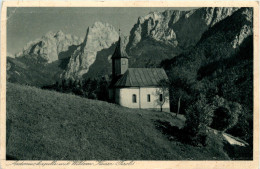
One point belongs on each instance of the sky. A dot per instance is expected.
(25, 24)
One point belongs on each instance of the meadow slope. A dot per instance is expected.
(47, 125)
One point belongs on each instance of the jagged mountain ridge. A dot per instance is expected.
(165, 35)
(176, 28)
(50, 46)
(155, 37)
(61, 54)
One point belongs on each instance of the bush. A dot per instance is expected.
(192, 123)
(202, 138)
(194, 136)
(226, 114)
(221, 119)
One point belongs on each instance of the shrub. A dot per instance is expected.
(221, 119)
(226, 113)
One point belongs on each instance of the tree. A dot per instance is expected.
(198, 117)
(179, 105)
(162, 93)
(180, 81)
(102, 92)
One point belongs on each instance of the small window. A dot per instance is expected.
(161, 99)
(148, 98)
(134, 98)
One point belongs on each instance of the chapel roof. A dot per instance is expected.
(141, 77)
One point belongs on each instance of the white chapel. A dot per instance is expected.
(136, 87)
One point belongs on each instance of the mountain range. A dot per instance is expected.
(156, 37)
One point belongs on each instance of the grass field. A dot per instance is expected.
(47, 125)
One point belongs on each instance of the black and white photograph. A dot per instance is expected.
(130, 83)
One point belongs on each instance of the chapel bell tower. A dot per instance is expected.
(119, 60)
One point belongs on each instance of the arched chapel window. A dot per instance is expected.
(134, 98)
(148, 98)
(161, 98)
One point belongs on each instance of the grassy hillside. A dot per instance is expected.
(46, 125)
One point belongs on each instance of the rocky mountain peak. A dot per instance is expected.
(49, 46)
(98, 37)
(59, 34)
(212, 15)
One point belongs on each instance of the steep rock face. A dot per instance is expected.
(98, 37)
(155, 25)
(176, 28)
(103, 63)
(50, 46)
(232, 30)
(247, 28)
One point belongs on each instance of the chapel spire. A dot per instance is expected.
(120, 50)
(119, 59)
